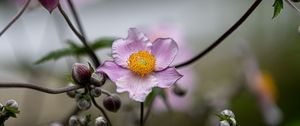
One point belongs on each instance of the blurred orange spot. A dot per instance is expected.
(266, 86)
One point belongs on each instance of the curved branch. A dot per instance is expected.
(63, 13)
(223, 37)
(15, 18)
(39, 88)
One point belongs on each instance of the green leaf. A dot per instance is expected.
(151, 97)
(75, 50)
(10, 109)
(278, 6)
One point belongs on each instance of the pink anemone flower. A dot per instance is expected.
(139, 65)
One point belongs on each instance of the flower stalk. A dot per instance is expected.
(14, 19)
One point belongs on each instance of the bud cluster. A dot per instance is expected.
(227, 118)
(83, 74)
(86, 120)
(10, 109)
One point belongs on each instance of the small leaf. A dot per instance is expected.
(151, 97)
(278, 5)
(75, 50)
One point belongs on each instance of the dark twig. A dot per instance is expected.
(63, 13)
(101, 109)
(149, 109)
(18, 15)
(223, 37)
(84, 41)
(39, 88)
(142, 114)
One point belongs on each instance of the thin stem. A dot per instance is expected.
(142, 114)
(106, 92)
(100, 108)
(84, 41)
(15, 18)
(149, 109)
(39, 88)
(75, 14)
(63, 13)
(223, 37)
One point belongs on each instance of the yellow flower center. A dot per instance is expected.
(141, 62)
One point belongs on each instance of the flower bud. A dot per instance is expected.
(71, 93)
(50, 5)
(179, 91)
(83, 104)
(112, 103)
(96, 92)
(224, 123)
(97, 79)
(100, 121)
(73, 121)
(228, 113)
(1, 107)
(12, 103)
(81, 73)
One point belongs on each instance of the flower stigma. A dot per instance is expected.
(141, 63)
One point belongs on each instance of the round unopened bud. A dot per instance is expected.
(81, 73)
(96, 92)
(295, 0)
(228, 113)
(1, 107)
(179, 91)
(100, 121)
(97, 79)
(71, 93)
(83, 104)
(50, 5)
(112, 103)
(12, 103)
(73, 121)
(224, 123)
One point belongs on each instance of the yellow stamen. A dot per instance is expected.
(141, 62)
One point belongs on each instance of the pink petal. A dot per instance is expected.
(164, 50)
(123, 48)
(138, 87)
(167, 77)
(112, 70)
(50, 5)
